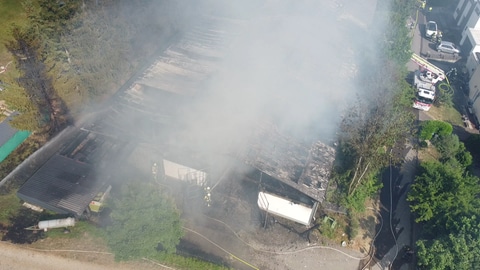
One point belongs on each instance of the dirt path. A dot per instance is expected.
(17, 257)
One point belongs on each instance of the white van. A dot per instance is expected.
(431, 29)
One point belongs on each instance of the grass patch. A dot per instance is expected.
(11, 12)
(429, 153)
(336, 233)
(9, 205)
(181, 262)
(447, 114)
(79, 230)
(87, 236)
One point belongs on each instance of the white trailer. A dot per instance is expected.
(184, 173)
(53, 223)
(286, 208)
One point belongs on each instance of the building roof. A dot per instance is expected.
(62, 185)
(191, 61)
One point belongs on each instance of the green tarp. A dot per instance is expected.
(13, 143)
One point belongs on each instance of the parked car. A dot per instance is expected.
(431, 29)
(447, 47)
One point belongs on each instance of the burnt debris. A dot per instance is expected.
(306, 169)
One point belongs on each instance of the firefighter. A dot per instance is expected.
(439, 37)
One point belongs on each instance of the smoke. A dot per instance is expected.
(242, 65)
(290, 63)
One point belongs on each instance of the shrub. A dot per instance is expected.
(434, 127)
(353, 226)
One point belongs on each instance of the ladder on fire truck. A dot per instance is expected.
(428, 66)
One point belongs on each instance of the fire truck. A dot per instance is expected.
(424, 81)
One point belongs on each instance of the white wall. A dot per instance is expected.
(184, 173)
(472, 63)
(474, 94)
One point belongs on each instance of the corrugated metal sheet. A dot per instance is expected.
(61, 185)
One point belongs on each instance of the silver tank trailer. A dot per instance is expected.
(56, 223)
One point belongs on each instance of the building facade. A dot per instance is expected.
(467, 19)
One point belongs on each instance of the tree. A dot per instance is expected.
(453, 150)
(430, 128)
(441, 193)
(458, 250)
(379, 119)
(144, 223)
(368, 130)
(398, 41)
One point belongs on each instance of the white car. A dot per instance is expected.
(431, 29)
(448, 47)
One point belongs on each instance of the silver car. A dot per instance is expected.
(448, 47)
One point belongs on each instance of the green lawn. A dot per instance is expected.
(447, 114)
(11, 11)
(9, 205)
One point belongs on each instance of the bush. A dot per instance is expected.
(434, 127)
(370, 186)
(452, 148)
(353, 226)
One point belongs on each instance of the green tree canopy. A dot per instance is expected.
(458, 250)
(453, 150)
(432, 127)
(144, 223)
(441, 193)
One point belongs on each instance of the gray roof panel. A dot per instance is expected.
(61, 185)
(6, 131)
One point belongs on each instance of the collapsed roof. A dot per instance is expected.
(306, 169)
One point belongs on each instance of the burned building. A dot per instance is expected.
(304, 168)
(151, 109)
(68, 180)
